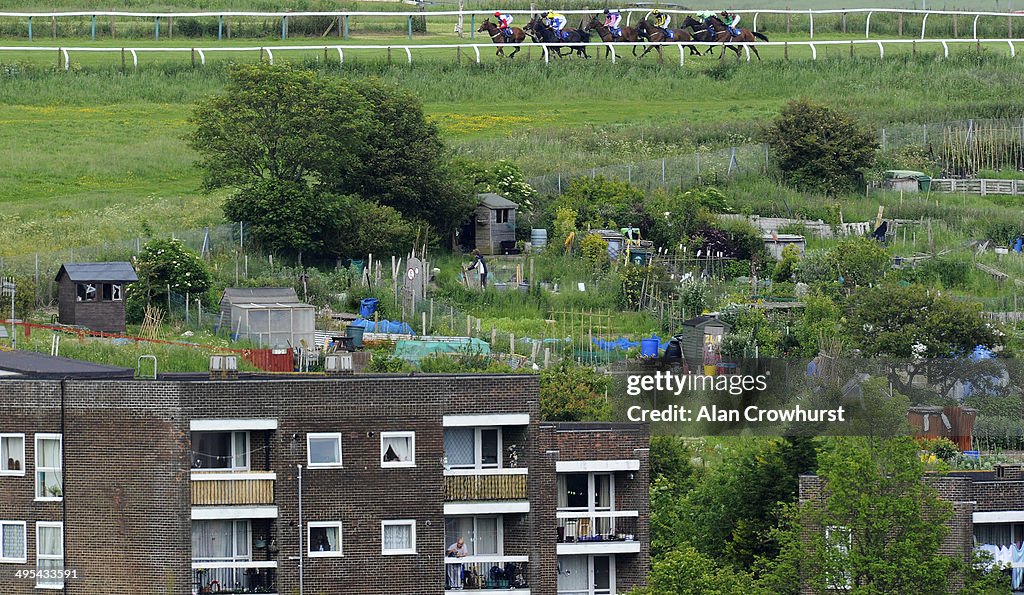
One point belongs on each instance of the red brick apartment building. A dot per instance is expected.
(988, 509)
(340, 485)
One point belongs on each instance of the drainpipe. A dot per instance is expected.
(301, 586)
(63, 482)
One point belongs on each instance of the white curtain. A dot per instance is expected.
(456, 527)
(49, 457)
(52, 547)
(13, 541)
(12, 453)
(397, 537)
(486, 541)
(993, 534)
(397, 449)
(212, 539)
(563, 494)
(603, 489)
(323, 539)
(573, 575)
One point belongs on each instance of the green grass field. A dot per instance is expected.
(95, 154)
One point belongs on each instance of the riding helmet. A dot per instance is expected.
(497, 13)
(606, 11)
(655, 12)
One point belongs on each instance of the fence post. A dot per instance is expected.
(93, 27)
(156, 28)
(899, 24)
(472, 25)
(346, 26)
(954, 27)
(30, 28)
(170, 27)
(220, 27)
(843, 26)
(284, 27)
(410, 27)
(883, 140)
(53, 26)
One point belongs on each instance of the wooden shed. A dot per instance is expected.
(700, 340)
(91, 294)
(495, 223)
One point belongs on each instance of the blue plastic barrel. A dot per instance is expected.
(367, 306)
(649, 347)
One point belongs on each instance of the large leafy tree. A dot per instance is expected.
(821, 149)
(570, 392)
(880, 526)
(307, 152)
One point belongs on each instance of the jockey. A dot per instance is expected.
(504, 22)
(557, 21)
(659, 19)
(612, 19)
(731, 20)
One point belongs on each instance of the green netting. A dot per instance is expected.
(414, 351)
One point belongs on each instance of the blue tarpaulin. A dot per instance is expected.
(622, 344)
(393, 327)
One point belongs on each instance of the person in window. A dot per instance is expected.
(456, 550)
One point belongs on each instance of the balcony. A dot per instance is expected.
(608, 532)
(468, 485)
(486, 574)
(232, 489)
(224, 577)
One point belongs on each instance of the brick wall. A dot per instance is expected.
(128, 462)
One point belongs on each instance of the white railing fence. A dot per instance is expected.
(752, 17)
(64, 53)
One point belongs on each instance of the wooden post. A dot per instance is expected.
(494, 336)
(785, 49)
(113, 33)
(424, 316)
(954, 26)
(844, 23)
(193, 57)
(227, 27)
(469, 330)
(787, 22)
(458, 55)
(53, 26)
(512, 343)
(851, 48)
(389, 54)
(547, 357)
(170, 27)
(122, 59)
(913, 48)
(899, 24)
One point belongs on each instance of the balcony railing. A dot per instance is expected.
(227, 489)
(507, 573)
(218, 576)
(587, 527)
(485, 484)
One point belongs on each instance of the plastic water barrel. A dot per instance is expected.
(649, 347)
(538, 238)
(367, 306)
(356, 333)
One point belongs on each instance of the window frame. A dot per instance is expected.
(341, 452)
(473, 540)
(411, 523)
(24, 463)
(24, 539)
(82, 293)
(232, 467)
(478, 449)
(841, 543)
(411, 435)
(309, 539)
(42, 525)
(40, 469)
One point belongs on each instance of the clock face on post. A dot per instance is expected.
(411, 274)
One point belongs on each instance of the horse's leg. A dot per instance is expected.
(513, 54)
(754, 49)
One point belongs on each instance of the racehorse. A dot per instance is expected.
(544, 33)
(656, 34)
(701, 32)
(499, 37)
(628, 34)
(723, 35)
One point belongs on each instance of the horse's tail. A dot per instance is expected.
(760, 36)
(584, 36)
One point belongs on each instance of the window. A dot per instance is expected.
(50, 555)
(586, 575)
(482, 535)
(111, 292)
(586, 494)
(87, 292)
(324, 539)
(501, 215)
(220, 450)
(473, 448)
(12, 542)
(397, 537)
(12, 454)
(49, 483)
(398, 449)
(838, 541)
(324, 449)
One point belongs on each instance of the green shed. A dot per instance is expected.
(906, 180)
(700, 340)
